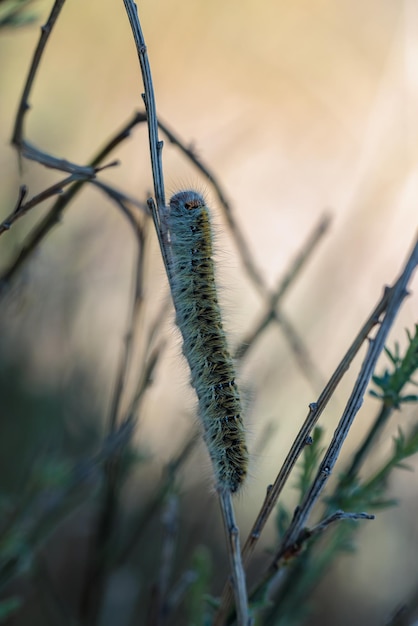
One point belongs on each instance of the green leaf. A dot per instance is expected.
(410, 398)
(310, 461)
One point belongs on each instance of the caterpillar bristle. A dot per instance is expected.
(198, 316)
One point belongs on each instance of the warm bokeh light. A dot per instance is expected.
(300, 109)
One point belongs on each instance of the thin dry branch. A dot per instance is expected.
(315, 411)
(295, 341)
(46, 29)
(56, 189)
(237, 568)
(140, 232)
(97, 568)
(246, 256)
(25, 148)
(158, 211)
(303, 256)
(155, 144)
(331, 519)
(396, 296)
(22, 209)
(53, 217)
(304, 536)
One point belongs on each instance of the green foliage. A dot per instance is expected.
(310, 461)
(391, 383)
(404, 446)
(351, 494)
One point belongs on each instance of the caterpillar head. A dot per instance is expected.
(187, 200)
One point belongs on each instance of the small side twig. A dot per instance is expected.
(292, 273)
(41, 230)
(22, 208)
(46, 29)
(336, 517)
(24, 147)
(155, 144)
(132, 323)
(304, 536)
(249, 264)
(295, 341)
(99, 559)
(315, 411)
(376, 345)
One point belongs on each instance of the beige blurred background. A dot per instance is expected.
(299, 108)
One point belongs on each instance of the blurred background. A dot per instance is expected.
(299, 109)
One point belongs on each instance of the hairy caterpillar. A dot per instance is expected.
(204, 343)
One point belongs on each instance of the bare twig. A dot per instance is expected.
(98, 562)
(252, 270)
(17, 138)
(237, 568)
(315, 411)
(292, 273)
(22, 208)
(24, 147)
(155, 144)
(304, 536)
(388, 305)
(157, 211)
(331, 519)
(121, 198)
(295, 342)
(134, 312)
(145, 379)
(38, 234)
(397, 294)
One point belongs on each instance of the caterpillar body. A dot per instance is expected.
(198, 316)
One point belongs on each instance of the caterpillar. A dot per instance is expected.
(198, 317)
